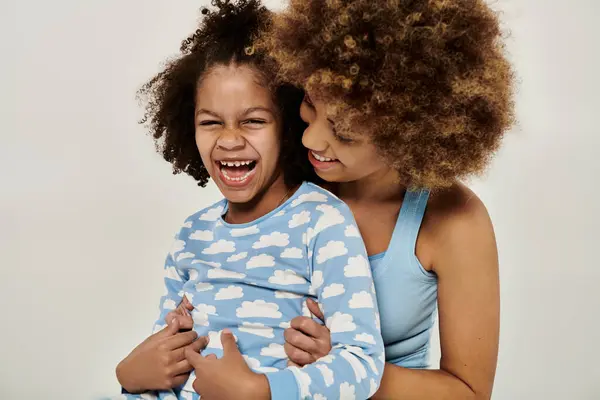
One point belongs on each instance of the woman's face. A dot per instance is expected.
(238, 132)
(336, 158)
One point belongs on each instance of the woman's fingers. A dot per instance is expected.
(297, 356)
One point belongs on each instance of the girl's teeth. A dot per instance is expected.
(239, 179)
(235, 163)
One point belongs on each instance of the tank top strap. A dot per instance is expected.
(404, 238)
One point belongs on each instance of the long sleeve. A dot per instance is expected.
(342, 282)
(174, 279)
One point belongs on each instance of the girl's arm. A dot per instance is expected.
(159, 363)
(342, 281)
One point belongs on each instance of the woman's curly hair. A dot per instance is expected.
(427, 80)
(225, 36)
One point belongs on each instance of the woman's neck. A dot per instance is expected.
(381, 186)
(263, 203)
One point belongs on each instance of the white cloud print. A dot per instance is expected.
(335, 289)
(332, 249)
(314, 197)
(261, 261)
(171, 273)
(217, 273)
(287, 277)
(357, 267)
(360, 372)
(273, 239)
(209, 263)
(331, 217)
(177, 247)
(201, 313)
(316, 282)
(304, 382)
(205, 236)
(361, 300)
(340, 322)
(299, 219)
(292, 252)
(237, 257)
(203, 287)
(258, 309)
(351, 231)
(274, 350)
(251, 230)
(214, 340)
(280, 294)
(365, 338)
(327, 374)
(347, 391)
(212, 215)
(183, 256)
(222, 246)
(258, 329)
(229, 293)
(169, 304)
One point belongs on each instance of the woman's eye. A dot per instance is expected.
(343, 139)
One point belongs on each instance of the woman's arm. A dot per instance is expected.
(465, 260)
(466, 263)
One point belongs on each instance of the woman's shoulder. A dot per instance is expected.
(456, 219)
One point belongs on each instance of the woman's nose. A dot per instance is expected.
(313, 137)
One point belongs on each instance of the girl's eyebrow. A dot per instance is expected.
(204, 111)
(253, 109)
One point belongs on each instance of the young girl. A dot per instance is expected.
(248, 263)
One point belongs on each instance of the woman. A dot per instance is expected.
(403, 100)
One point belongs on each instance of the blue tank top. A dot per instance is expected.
(406, 292)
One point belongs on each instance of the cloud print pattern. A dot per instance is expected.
(254, 278)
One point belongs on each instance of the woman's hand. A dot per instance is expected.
(228, 377)
(307, 340)
(159, 363)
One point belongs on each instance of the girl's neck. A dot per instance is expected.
(263, 203)
(381, 186)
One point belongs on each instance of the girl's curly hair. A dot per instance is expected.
(225, 36)
(427, 80)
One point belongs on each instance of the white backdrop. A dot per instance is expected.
(88, 210)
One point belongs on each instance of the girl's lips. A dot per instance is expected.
(321, 165)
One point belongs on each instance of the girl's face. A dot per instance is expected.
(238, 132)
(336, 158)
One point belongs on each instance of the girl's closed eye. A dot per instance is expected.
(254, 122)
(209, 122)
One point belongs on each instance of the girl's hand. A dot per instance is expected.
(228, 377)
(307, 340)
(182, 315)
(159, 363)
